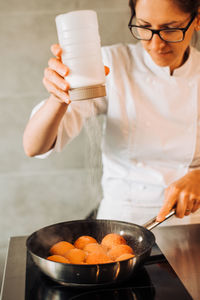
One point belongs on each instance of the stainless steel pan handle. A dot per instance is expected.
(153, 223)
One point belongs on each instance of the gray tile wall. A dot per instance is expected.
(35, 193)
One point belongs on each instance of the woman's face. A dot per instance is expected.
(162, 14)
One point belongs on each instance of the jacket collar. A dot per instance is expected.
(183, 71)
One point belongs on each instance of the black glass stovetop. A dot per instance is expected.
(156, 280)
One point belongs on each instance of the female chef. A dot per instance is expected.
(151, 142)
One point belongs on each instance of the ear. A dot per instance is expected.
(197, 24)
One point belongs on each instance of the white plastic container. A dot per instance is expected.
(78, 36)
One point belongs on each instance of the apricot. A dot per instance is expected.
(58, 258)
(113, 239)
(61, 248)
(83, 240)
(86, 250)
(76, 256)
(124, 256)
(98, 258)
(94, 247)
(118, 250)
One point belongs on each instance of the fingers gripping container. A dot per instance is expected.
(79, 39)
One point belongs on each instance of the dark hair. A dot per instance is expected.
(187, 6)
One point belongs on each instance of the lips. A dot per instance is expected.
(164, 53)
(159, 54)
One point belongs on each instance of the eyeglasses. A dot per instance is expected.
(171, 35)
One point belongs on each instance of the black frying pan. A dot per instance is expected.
(140, 238)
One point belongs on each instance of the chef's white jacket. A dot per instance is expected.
(151, 133)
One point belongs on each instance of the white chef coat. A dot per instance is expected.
(151, 135)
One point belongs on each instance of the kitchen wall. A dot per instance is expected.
(35, 193)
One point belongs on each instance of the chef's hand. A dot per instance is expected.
(54, 80)
(183, 194)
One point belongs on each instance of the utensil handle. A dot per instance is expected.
(153, 223)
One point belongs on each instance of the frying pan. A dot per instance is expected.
(140, 238)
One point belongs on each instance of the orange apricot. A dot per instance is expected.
(113, 239)
(61, 248)
(98, 258)
(76, 256)
(83, 240)
(118, 250)
(58, 258)
(94, 247)
(124, 256)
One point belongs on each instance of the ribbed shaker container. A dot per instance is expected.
(79, 38)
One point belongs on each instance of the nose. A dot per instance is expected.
(157, 43)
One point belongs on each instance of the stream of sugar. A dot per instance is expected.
(93, 162)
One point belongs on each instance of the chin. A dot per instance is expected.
(162, 60)
(161, 63)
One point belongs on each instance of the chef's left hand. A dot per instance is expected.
(183, 194)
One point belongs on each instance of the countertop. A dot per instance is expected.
(181, 246)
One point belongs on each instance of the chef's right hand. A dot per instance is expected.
(54, 75)
(54, 80)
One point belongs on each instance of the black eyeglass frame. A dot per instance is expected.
(157, 31)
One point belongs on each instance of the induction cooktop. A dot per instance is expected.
(155, 280)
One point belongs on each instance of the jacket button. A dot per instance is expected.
(154, 82)
(140, 164)
(182, 166)
(142, 187)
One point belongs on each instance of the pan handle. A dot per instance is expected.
(153, 223)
